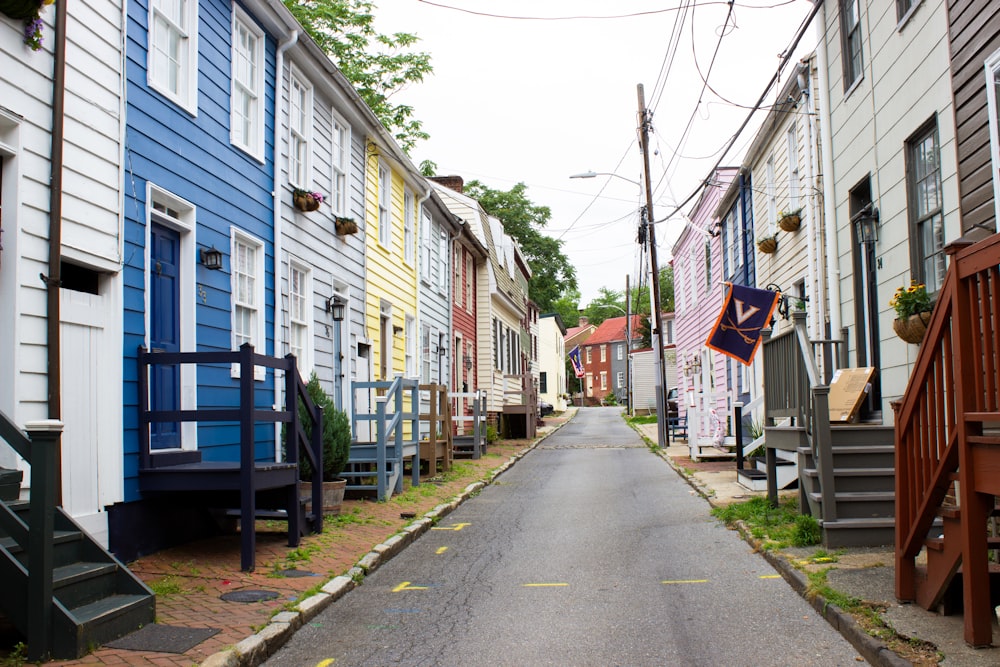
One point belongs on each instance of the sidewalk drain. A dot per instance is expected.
(248, 596)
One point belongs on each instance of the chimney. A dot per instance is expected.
(584, 320)
(451, 182)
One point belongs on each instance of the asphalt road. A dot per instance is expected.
(589, 551)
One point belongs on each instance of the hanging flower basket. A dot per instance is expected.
(767, 245)
(20, 9)
(345, 226)
(306, 201)
(912, 328)
(790, 221)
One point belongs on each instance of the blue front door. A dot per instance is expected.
(164, 332)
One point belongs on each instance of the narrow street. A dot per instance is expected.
(589, 551)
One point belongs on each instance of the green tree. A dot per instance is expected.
(552, 274)
(568, 306)
(608, 304)
(378, 65)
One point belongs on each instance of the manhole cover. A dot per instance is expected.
(293, 573)
(248, 596)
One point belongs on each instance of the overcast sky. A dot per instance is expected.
(539, 96)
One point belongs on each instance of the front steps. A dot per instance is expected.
(95, 597)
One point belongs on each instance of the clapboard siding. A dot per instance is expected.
(974, 31)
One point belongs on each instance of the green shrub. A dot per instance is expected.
(336, 433)
(492, 435)
(807, 532)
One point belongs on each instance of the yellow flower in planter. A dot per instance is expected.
(911, 300)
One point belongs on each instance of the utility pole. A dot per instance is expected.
(628, 349)
(662, 432)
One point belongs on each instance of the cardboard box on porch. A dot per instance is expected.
(847, 391)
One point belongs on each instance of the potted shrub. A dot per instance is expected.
(767, 243)
(305, 200)
(336, 448)
(913, 306)
(790, 221)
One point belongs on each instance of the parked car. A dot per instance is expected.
(545, 409)
(672, 411)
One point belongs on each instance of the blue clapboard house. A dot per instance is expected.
(199, 276)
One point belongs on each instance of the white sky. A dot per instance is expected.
(534, 101)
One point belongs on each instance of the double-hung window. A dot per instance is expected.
(443, 262)
(993, 105)
(425, 247)
(247, 105)
(247, 263)
(172, 61)
(299, 131)
(409, 240)
(425, 354)
(341, 163)
(411, 346)
(299, 320)
(850, 41)
(792, 139)
(458, 287)
(926, 215)
(384, 202)
(470, 276)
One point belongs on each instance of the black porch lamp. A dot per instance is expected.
(211, 258)
(335, 306)
(866, 222)
(468, 363)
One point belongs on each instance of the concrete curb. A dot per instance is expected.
(257, 648)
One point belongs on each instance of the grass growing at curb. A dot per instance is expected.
(775, 527)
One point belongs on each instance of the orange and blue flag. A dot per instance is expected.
(745, 312)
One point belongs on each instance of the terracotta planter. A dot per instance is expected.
(790, 222)
(306, 202)
(20, 9)
(333, 495)
(345, 226)
(767, 246)
(913, 328)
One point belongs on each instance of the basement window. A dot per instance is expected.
(79, 279)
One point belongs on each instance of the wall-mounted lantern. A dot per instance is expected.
(335, 306)
(211, 258)
(866, 221)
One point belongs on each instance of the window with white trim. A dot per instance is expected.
(411, 346)
(604, 353)
(619, 379)
(993, 106)
(604, 380)
(172, 59)
(409, 240)
(247, 105)
(425, 247)
(443, 262)
(299, 131)
(926, 214)
(589, 359)
(247, 264)
(384, 203)
(341, 164)
(425, 354)
(470, 276)
(620, 352)
(456, 282)
(299, 317)
(792, 137)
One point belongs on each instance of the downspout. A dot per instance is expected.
(54, 278)
(290, 39)
(815, 322)
(829, 189)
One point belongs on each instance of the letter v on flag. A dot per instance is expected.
(745, 312)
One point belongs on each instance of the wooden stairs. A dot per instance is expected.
(95, 598)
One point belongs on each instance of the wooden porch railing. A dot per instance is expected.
(944, 435)
(40, 448)
(247, 415)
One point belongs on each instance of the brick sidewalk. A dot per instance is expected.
(190, 579)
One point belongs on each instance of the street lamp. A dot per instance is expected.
(594, 174)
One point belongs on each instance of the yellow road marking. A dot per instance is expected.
(542, 585)
(770, 576)
(686, 581)
(325, 663)
(456, 527)
(405, 586)
(441, 550)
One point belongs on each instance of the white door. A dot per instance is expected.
(361, 399)
(91, 411)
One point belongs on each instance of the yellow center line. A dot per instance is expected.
(441, 550)
(770, 576)
(543, 585)
(456, 527)
(686, 581)
(325, 663)
(405, 586)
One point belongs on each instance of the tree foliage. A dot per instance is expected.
(378, 65)
(552, 274)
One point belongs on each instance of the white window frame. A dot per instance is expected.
(620, 351)
(411, 345)
(457, 261)
(246, 130)
(183, 27)
(470, 277)
(443, 272)
(425, 354)
(992, 66)
(384, 205)
(300, 319)
(340, 152)
(409, 215)
(792, 137)
(604, 380)
(300, 127)
(425, 247)
(604, 354)
(256, 334)
(619, 379)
